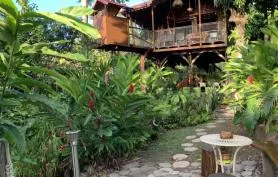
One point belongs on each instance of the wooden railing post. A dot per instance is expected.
(153, 27)
(200, 21)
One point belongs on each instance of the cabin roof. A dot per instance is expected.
(142, 5)
(98, 4)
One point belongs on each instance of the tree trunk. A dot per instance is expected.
(3, 160)
(85, 4)
(240, 21)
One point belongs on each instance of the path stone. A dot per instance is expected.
(147, 168)
(131, 165)
(211, 126)
(180, 164)
(174, 173)
(220, 121)
(196, 171)
(187, 144)
(186, 174)
(249, 168)
(114, 175)
(190, 137)
(202, 133)
(211, 123)
(197, 140)
(246, 173)
(239, 167)
(124, 172)
(179, 157)
(199, 130)
(190, 149)
(249, 162)
(196, 164)
(165, 165)
(162, 172)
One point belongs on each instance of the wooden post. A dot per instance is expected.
(200, 21)
(3, 160)
(225, 25)
(142, 63)
(142, 69)
(153, 27)
(84, 3)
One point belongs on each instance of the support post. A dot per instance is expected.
(153, 27)
(142, 63)
(200, 21)
(225, 26)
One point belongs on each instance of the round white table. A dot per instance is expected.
(216, 142)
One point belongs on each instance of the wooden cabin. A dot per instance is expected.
(162, 29)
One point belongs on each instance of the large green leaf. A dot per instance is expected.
(41, 49)
(12, 133)
(23, 83)
(5, 32)
(77, 11)
(8, 8)
(67, 20)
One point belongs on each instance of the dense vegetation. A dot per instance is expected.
(52, 81)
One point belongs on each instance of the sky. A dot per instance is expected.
(55, 5)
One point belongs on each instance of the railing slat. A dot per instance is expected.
(213, 32)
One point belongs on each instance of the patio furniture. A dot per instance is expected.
(195, 38)
(221, 175)
(216, 142)
(208, 160)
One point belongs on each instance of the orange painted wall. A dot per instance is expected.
(113, 30)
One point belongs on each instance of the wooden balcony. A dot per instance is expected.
(212, 35)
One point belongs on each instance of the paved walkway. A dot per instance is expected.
(188, 163)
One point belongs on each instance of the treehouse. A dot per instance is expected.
(164, 29)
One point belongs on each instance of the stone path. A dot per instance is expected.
(188, 163)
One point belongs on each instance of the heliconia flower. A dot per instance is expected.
(91, 94)
(91, 104)
(250, 79)
(62, 148)
(131, 88)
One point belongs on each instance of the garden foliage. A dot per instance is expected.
(253, 82)
(52, 83)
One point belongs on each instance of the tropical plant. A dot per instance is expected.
(253, 80)
(16, 79)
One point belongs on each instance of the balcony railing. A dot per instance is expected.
(212, 33)
(140, 37)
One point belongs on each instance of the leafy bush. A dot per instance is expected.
(253, 82)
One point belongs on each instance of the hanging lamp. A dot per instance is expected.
(189, 9)
(177, 4)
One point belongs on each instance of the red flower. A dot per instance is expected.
(91, 104)
(131, 88)
(91, 94)
(250, 79)
(62, 148)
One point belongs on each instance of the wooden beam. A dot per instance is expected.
(153, 26)
(196, 58)
(191, 48)
(220, 55)
(200, 21)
